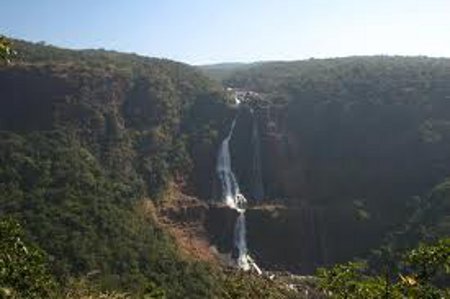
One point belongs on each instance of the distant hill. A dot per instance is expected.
(222, 71)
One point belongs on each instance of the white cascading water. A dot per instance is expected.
(230, 188)
(240, 242)
(234, 199)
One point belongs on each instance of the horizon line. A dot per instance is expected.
(214, 63)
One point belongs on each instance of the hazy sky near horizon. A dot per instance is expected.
(211, 31)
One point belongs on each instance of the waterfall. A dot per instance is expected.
(234, 199)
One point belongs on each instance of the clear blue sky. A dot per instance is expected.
(209, 31)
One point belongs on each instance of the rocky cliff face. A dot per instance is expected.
(280, 238)
(300, 239)
(299, 225)
(286, 230)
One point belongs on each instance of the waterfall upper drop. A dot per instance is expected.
(230, 188)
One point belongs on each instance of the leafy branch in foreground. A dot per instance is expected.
(424, 273)
(5, 49)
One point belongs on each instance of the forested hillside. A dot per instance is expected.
(95, 144)
(90, 142)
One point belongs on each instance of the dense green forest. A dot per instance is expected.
(93, 142)
(87, 137)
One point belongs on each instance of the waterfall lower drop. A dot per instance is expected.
(240, 242)
(234, 199)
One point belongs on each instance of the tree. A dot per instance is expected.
(23, 269)
(423, 273)
(5, 49)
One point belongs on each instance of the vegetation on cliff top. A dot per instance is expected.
(86, 136)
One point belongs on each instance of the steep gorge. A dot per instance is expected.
(328, 159)
(347, 148)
